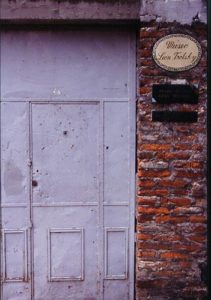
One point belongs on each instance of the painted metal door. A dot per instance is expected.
(68, 177)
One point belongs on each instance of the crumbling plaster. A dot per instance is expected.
(69, 10)
(182, 11)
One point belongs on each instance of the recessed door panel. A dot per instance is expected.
(15, 205)
(78, 63)
(116, 154)
(65, 152)
(65, 252)
(65, 157)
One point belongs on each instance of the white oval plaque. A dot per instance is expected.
(177, 52)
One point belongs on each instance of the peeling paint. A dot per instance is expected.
(181, 11)
(13, 180)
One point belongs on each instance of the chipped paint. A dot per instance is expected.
(181, 11)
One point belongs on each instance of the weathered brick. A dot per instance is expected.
(170, 219)
(189, 146)
(154, 173)
(187, 247)
(147, 200)
(153, 245)
(146, 43)
(188, 165)
(145, 90)
(197, 238)
(151, 32)
(145, 155)
(187, 138)
(145, 80)
(169, 273)
(173, 155)
(147, 62)
(185, 264)
(198, 219)
(149, 284)
(151, 192)
(173, 255)
(177, 201)
(173, 183)
(159, 165)
(147, 254)
(146, 53)
(156, 211)
(168, 238)
(141, 236)
(198, 190)
(155, 147)
(200, 229)
(187, 210)
(146, 183)
(152, 71)
(142, 218)
(189, 174)
(198, 147)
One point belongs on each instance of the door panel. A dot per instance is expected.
(15, 204)
(116, 157)
(65, 152)
(81, 63)
(14, 152)
(65, 253)
(65, 163)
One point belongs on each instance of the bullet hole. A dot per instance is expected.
(65, 132)
(37, 171)
(34, 183)
(107, 147)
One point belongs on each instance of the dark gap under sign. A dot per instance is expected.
(174, 93)
(175, 116)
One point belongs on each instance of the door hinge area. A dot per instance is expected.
(30, 224)
(29, 162)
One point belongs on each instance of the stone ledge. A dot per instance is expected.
(69, 11)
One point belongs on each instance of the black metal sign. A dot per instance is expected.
(175, 116)
(174, 93)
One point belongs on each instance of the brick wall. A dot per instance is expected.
(171, 179)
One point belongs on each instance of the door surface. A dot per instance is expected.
(68, 159)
